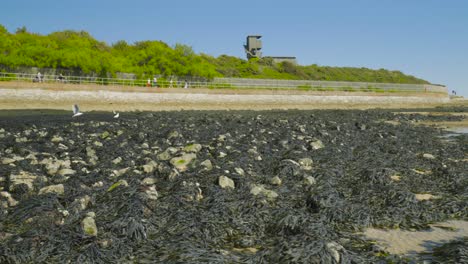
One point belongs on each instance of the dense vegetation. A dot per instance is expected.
(79, 53)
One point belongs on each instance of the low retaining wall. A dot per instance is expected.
(33, 98)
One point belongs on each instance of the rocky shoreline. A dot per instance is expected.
(224, 186)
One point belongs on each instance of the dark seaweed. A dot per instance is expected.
(353, 188)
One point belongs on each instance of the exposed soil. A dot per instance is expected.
(299, 187)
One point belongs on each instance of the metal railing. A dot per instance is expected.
(230, 83)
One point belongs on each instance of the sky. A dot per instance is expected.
(424, 38)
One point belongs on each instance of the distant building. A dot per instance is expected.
(253, 48)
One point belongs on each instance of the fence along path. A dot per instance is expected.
(234, 83)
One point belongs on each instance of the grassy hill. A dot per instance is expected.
(78, 52)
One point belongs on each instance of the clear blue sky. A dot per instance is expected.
(425, 38)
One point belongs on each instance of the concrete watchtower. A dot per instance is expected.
(253, 46)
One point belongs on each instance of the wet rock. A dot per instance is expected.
(118, 173)
(276, 181)
(105, 135)
(207, 165)
(257, 190)
(66, 172)
(306, 164)
(56, 139)
(151, 192)
(225, 182)
(148, 181)
(6, 200)
(195, 148)
(317, 144)
(62, 146)
(150, 167)
(428, 156)
(88, 226)
(309, 180)
(7, 161)
(22, 178)
(173, 134)
(117, 160)
(166, 155)
(57, 189)
(334, 250)
(98, 144)
(239, 171)
(222, 154)
(181, 163)
(395, 178)
(425, 196)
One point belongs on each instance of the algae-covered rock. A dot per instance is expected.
(58, 189)
(225, 182)
(181, 163)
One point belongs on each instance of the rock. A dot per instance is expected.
(98, 184)
(207, 165)
(118, 173)
(56, 139)
(7, 161)
(151, 193)
(117, 160)
(66, 172)
(105, 135)
(62, 146)
(173, 134)
(195, 148)
(306, 164)
(117, 184)
(150, 167)
(225, 182)
(396, 178)
(276, 181)
(89, 226)
(425, 196)
(58, 189)
(98, 144)
(9, 201)
(222, 154)
(309, 180)
(83, 202)
(148, 181)
(21, 139)
(164, 155)
(22, 178)
(145, 146)
(240, 171)
(181, 163)
(428, 156)
(334, 248)
(261, 190)
(317, 144)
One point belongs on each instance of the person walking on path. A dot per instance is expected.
(186, 84)
(148, 84)
(170, 83)
(155, 82)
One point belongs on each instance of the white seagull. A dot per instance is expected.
(76, 111)
(116, 115)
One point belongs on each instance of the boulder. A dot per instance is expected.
(226, 182)
(306, 164)
(193, 148)
(317, 144)
(207, 165)
(181, 163)
(22, 178)
(89, 226)
(276, 181)
(58, 189)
